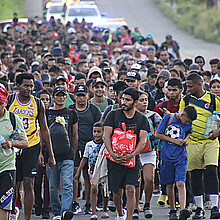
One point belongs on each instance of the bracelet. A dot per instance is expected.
(132, 155)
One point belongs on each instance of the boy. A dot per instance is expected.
(174, 130)
(90, 155)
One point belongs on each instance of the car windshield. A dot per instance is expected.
(56, 9)
(82, 12)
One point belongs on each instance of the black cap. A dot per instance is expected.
(152, 71)
(61, 78)
(80, 89)
(168, 36)
(98, 80)
(132, 75)
(58, 90)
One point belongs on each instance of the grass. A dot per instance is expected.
(8, 7)
(192, 16)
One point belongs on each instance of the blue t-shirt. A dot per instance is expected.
(177, 130)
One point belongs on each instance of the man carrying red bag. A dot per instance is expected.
(121, 128)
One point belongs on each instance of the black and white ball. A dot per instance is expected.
(173, 131)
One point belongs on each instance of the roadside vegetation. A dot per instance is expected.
(8, 7)
(194, 17)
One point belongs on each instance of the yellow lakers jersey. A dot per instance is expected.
(28, 114)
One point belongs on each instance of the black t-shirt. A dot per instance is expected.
(115, 118)
(71, 118)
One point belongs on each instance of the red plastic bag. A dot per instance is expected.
(123, 142)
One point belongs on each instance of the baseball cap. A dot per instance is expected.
(132, 75)
(152, 71)
(57, 51)
(151, 48)
(35, 63)
(194, 68)
(168, 36)
(165, 74)
(107, 68)
(84, 47)
(135, 66)
(98, 80)
(95, 69)
(3, 95)
(61, 78)
(45, 78)
(80, 89)
(58, 90)
(71, 31)
(149, 36)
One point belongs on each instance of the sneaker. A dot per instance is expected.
(215, 214)
(18, 202)
(192, 206)
(105, 215)
(76, 208)
(162, 201)
(38, 210)
(58, 217)
(207, 204)
(87, 208)
(124, 217)
(184, 214)
(200, 214)
(141, 202)
(173, 215)
(14, 216)
(135, 214)
(45, 214)
(147, 212)
(111, 206)
(67, 215)
(94, 217)
(99, 208)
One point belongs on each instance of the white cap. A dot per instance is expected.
(135, 66)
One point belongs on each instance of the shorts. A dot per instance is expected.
(172, 172)
(26, 163)
(78, 158)
(202, 155)
(119, 176)
(6, 189)
(148, 158)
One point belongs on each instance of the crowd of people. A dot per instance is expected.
(107, 110)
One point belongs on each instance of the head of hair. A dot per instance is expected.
(199, 57)
(195, 77)
(52, 59)
(159, 62)
(17, 60)
(54, 69)
(44, 91)
(207, 73)
(214, 61)
(214, 81)
(23, 66)
(89, 82)
(44, 67)
(3, 55)
(190, 112)
(121, 73)
(143, 93)
(80, 76)
(175, 70)
(80, 64)
(60, 60)
(22, 76)
(134, 93)
(175, 82)
(98, 124)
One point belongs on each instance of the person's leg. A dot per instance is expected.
(46, 191)
(171, 196)
(66, 173)
(54, 182)
(137, 196)
(117, 198)
(94, 192)
(148, 173)
(75, 186)
(130, 193)
(3, 214)
(87, 183)
(182, 194)
(105, 204)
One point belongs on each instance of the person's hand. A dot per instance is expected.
(76, 177)
(7, 144)
(115, 156)
(186, 142)
(125, 157)
(179, 142)
(41, 160)
(51, 162)
(213, 134)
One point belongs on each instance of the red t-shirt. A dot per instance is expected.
(170, 107)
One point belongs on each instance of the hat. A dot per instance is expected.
(61, 78)
(218, 65)
(45, 78)
(116, 50)
(194, 68)
(135, 66)
(120, 86)
(149, 36)
(71, 31)
(165, 74)
(35, 63)
(132, 75)
(58, 90)
(152, 71)
(98, 80)
(95, 69)
(47, 55)
(151, 48)
(107, 68)
(3, 95)
(57, 51)
(168, 36)
(80, 89)
(84, 47)
(38, 86)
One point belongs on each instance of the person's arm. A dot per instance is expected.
(81, 165)
(44, 132)
(163, 137)
(75, 137)
(21, 144)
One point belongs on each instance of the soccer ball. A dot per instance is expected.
(173, 131)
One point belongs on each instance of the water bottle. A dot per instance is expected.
(16, 136)
(212, 123)
(6, 152)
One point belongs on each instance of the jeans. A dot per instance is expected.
(64, 170)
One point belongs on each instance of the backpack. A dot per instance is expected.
(60, 139)
(12, 120)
